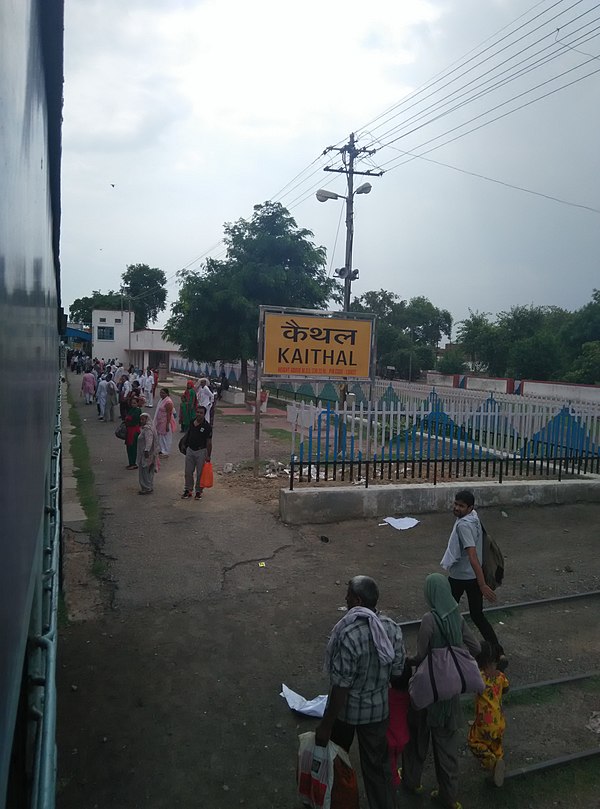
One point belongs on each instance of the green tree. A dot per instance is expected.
(523, 342)
(407, 332)
(269, 261)
(584, 326)
(144, 286)
(426, 323)
(475, 335)
(586, 368)
(80, 311)
(452, 361)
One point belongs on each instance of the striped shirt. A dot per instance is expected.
(355, 665)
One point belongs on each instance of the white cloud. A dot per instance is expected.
(198, 110)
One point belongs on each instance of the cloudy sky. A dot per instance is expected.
(196, 110)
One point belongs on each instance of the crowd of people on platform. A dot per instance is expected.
(148, 440)
(370, 671)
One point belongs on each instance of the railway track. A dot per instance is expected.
(520, 605)
(548, 764)
(558, 761)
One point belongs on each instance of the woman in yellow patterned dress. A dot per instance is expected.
(485, 735)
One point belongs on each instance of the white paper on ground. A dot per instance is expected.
(401, 523)
(310, 707)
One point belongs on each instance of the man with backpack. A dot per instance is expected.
(464, 562)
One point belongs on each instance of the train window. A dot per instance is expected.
(117, 320)
(102, 320)
(106, 333)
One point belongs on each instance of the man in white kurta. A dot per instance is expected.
(205, 398)
(147, 385)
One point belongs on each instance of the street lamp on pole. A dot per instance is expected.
(346, 272)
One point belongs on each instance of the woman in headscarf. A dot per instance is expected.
(132, 420)
(147, 454)
(187, 411)
(443, 624)
(164, 422)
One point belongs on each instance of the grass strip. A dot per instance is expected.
(82, 470)
(278, 433)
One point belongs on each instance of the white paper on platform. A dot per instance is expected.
(401, 523)
(310, 707)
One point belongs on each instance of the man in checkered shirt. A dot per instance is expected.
(364, 651)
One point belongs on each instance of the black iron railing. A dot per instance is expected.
(435, 471)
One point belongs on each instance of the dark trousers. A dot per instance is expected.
(475, 599)
(374, 760)
(445, 756)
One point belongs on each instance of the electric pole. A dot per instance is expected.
(349, 152)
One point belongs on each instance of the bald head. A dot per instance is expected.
(365, 590)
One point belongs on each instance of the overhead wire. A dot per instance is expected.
(448, 99)
(337, 233)
(501, 182)
(300, 180)
(498, 106)
(447, 72)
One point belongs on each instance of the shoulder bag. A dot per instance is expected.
(446, 672)
(183, 442)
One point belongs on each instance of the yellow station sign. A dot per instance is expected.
(311, 345)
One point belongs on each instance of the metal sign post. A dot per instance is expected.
(257, 403)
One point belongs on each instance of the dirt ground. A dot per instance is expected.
(170, 696)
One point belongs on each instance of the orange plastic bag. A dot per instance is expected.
(207, 477)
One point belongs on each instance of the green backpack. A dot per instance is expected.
(493, 561)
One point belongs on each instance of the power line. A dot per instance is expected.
(501, 182)
(502, 104)
(337, 233)
(442, 102)
(448, 73)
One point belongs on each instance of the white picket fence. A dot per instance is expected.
(425, 425)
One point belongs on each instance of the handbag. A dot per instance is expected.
(121, 431)
(207, 476)
(183, 443)
(446, 672)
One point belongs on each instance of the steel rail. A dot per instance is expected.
(549, 683)
(540, 766)
(519, 605)
(517, 689)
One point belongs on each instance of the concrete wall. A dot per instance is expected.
(153, 340)
(117, 320)
(562, 390)
(445, 380)
(336, 504)
(487, 383)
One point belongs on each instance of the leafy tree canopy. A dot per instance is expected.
(452, 361)
(407, 332)
(81, 309)
(269, 261)
(145, 287)
(586, 368)
(527, 342)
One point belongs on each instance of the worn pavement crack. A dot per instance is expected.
(258, 559)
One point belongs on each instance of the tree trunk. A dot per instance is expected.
(244, 375)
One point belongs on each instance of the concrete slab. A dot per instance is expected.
(72, 513)
(339, 503)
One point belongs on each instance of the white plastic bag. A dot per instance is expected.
(316, 773)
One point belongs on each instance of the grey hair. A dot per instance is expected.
(365, 588)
